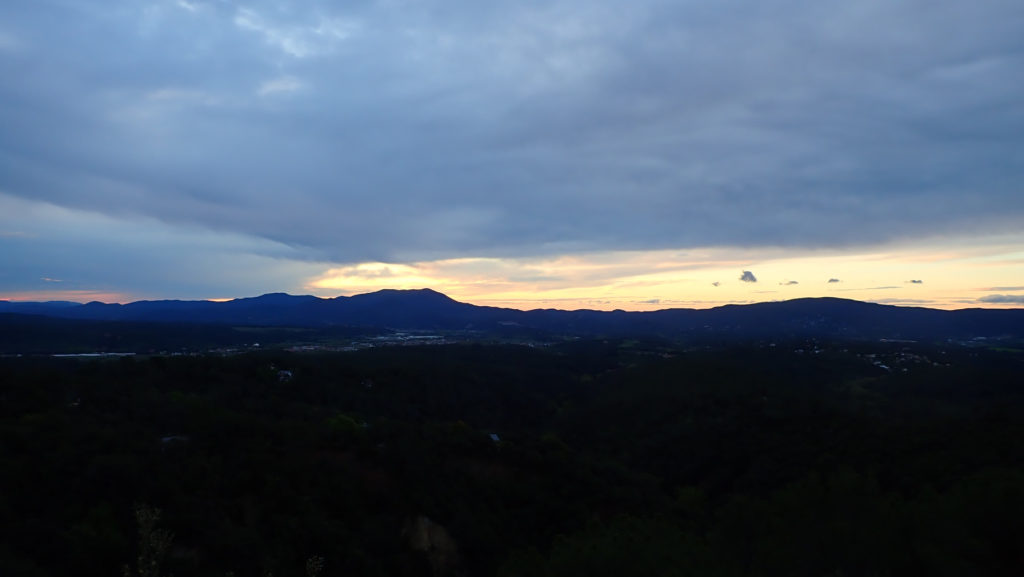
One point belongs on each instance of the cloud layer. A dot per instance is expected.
(1003, 299)
(396, 131)
(205, 148)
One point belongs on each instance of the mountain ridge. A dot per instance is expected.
(427, 309)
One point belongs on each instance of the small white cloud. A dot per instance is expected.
(296, 41)
(284, 84)
(286, 40)
(182, 96)
(337, 29)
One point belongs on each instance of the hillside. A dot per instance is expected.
(428, 310)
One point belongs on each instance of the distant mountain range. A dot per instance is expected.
(429, 310)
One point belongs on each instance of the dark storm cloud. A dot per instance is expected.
(1002, 299)
(397, 131)
(748, 276)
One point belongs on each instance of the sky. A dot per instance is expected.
(565, 153)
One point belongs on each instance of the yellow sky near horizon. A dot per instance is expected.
(949, 276)
(953, 274)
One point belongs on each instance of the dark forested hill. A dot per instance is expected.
(429, 310)
(598, 457)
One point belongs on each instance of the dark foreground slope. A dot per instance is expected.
(36, 334)
(610, 458)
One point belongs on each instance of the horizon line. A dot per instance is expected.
(506, 301)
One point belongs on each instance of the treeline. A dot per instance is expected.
(22, 334)
(587, 458)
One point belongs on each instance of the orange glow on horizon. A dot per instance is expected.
(944, 276)
(952, 274)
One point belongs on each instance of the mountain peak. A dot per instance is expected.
(420, 294)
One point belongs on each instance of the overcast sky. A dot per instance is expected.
(180, 149)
